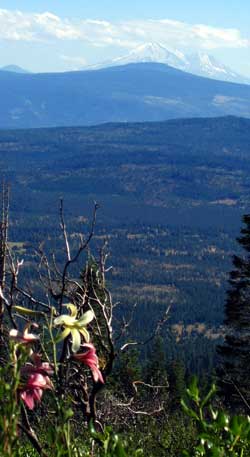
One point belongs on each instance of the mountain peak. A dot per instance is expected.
(14, 69)
(156, 52)
(148, 52)
(200, 64)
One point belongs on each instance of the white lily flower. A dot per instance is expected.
(75, 327)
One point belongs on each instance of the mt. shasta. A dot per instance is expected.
(199, 63)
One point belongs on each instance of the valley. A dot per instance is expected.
(171, 199)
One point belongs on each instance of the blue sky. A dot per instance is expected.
(61, 35)
(223, 13)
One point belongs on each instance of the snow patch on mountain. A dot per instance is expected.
(207, 65)
(200, 64)
(153, 52)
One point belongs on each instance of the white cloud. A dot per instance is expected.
(16, 25)
(75, 61)
(212, 37)
(47, 25)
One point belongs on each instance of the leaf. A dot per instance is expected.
(200, 448)
(216, 452)
(96, 435)
(68, 414)
(193, 390)
(26, 311)
(209, 395)
(120, 451)
(222, 419)
(190, 412)
(92, 427)
(235, 425)
(185, 453)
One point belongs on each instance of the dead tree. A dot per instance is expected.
(88, 291)
(4, 226)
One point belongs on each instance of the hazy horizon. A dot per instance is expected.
(46, 36)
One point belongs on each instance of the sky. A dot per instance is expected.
(61, 35)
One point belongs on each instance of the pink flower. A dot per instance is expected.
(38, 367)
(25, 337)
(33, 390)
(90, 359)
(37, 382)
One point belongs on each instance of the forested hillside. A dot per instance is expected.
(129, 93)
(171, 198)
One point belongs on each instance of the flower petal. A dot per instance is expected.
(72, 308)
(76, 339)
(37, 394)
(63, 335)
(64, 319)
(85, 318)
(97, 375)
(37, 381)
(89, 346)
(85, 334)
(13, 333)
(28, 399)
(90, 359)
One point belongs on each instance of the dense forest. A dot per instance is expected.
(122, 274)
(171, 198)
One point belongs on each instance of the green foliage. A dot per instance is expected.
(8, 417)
(219, 434)
(164, 435)
(10, 410)
(177, 382)
(110, 444)
(156, 372)
(126, 371)
(234, 369)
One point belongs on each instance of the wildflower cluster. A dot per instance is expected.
(36, 374)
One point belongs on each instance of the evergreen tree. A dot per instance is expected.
(156, 368)
(234, 353)
(126, 371)
(177, 382)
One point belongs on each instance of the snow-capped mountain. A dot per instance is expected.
(153, 52)
(148, 52)
(198, 64)
(206, 65)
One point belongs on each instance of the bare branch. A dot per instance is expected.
(74, 259)
(156, 332)
(8, 307)
(126, 324)
(147, 413)
(33, 300)
(64, 230)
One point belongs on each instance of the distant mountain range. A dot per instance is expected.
(126, 93)
(14, 69)
(200, 64)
